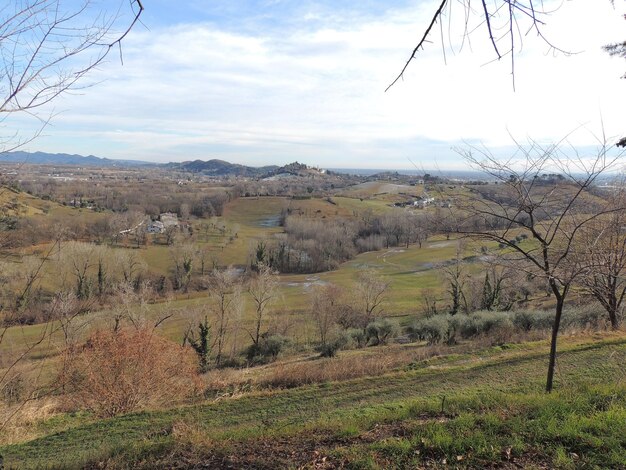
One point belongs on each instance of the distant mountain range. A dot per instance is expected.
(213, 167)
(43, 158)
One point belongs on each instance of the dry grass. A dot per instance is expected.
(22, 420)
(348, 365)
(368, 362)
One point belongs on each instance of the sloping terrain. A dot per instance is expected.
(217, 167)
(372, 422)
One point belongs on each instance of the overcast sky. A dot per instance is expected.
(273, 81)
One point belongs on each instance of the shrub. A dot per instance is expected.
(331, 348)
(584, 317)
(465, 326)
(527, 320)
(13, 389)
(267, 349)
(357, 337)
(500, 325)
(486, 322)
(433, 330)
(380, 331)
(127, 370)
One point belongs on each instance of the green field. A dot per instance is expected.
(494, 413)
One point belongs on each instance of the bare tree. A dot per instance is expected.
(79, 258)
(543, 193)
(504, 22)
(604, 249)
(47, 48)
(326, 309)
(129, 265)
(183, 255)
(67, 310)
(429, 302)
(371, 293)
(125, 300)
(170, 233)
(262, 288)
(206, 259)
(456, 277)
(185, 211)
(495, 292)
(225, 295)
(618, 49)
(18, 282)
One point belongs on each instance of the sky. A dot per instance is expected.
(262, 82)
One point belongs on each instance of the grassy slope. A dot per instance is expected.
(352, 408)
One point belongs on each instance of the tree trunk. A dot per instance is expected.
(258, 329)
(614, 319)
(612, 311)
(555, 334)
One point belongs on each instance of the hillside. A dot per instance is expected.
(479, 410)
(213, 167)
(217, 167)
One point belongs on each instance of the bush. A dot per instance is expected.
(464, 326)
(500, 325)
(592, 317)
(127, 370)
(527, 320)
(331, 348)
(486, 321)
(13, 389)
(433, 330)
(380, 331)
(267, 350)
(356, 337)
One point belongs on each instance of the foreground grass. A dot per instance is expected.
(494, 411)
(579, 426)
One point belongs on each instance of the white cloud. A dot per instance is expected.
(317, 95)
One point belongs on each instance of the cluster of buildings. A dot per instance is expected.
(422, 202)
